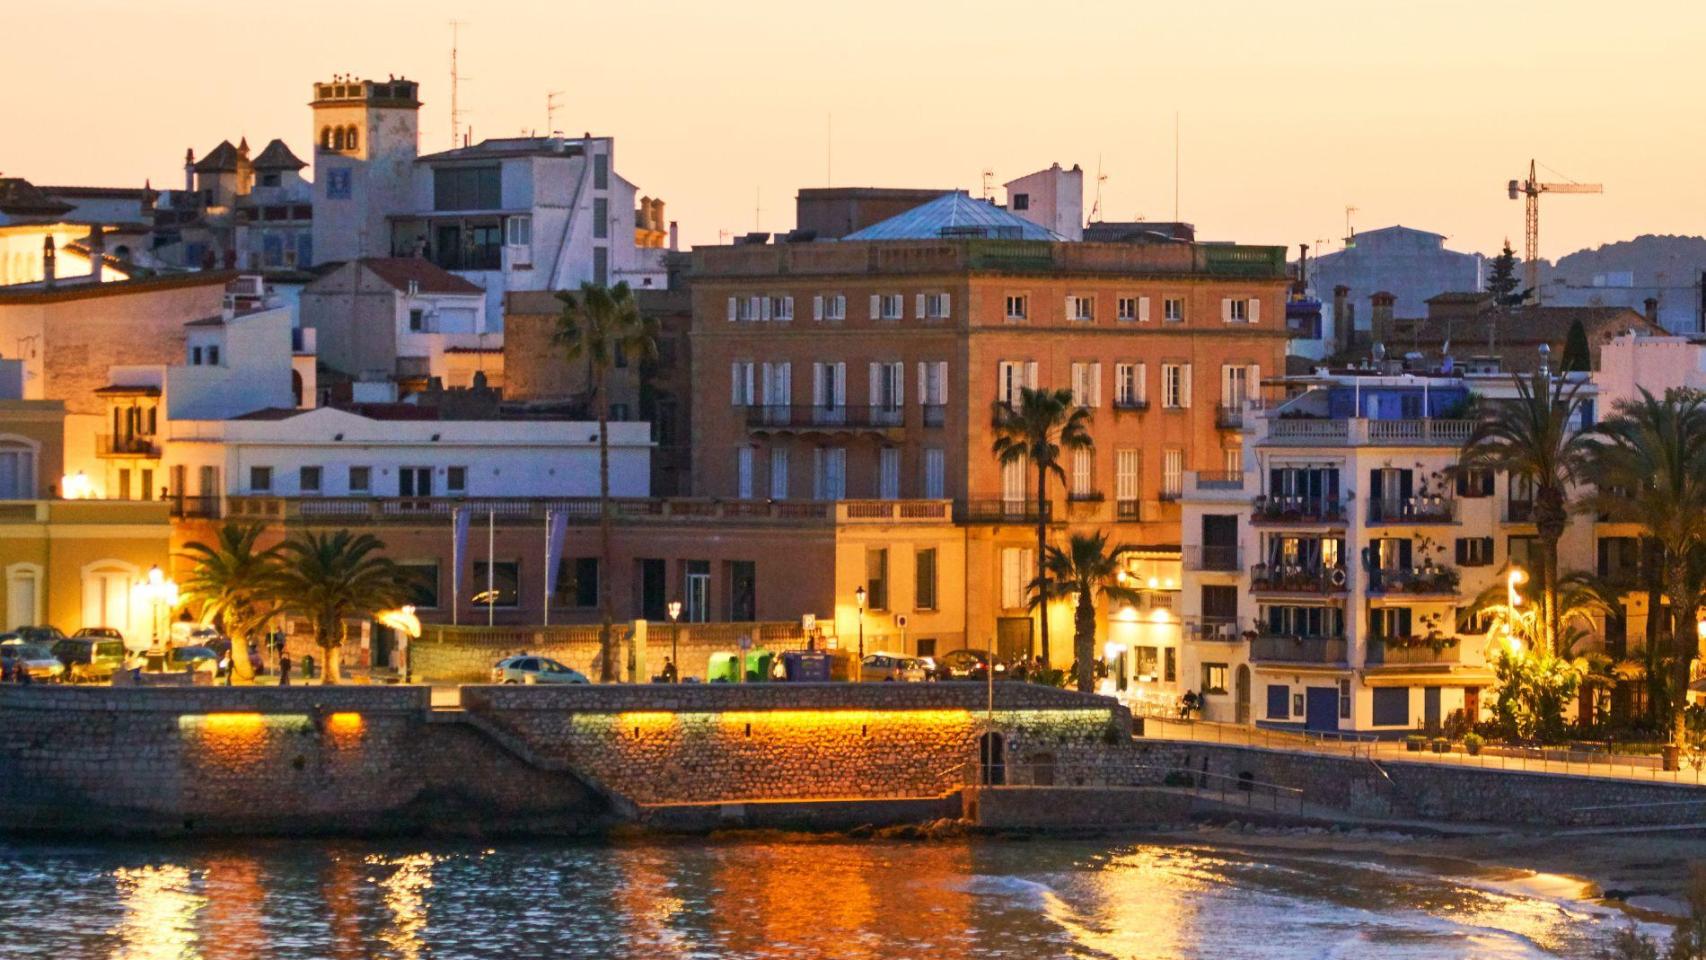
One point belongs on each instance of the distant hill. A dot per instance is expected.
(1654, 261)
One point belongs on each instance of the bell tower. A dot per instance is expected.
(366, 136)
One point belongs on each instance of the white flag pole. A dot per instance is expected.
(491, 546)
(547, 617)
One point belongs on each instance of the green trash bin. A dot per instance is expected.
(759, 663)
(722, 668)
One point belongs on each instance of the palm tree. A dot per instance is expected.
(1086, 569)
(1534, 437)
(1651, 465)
(328, 578)
(601, 325)
(1036, 431)
(232, 580)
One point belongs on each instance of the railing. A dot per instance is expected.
(1219, 480)
(1285, 509)
(1298, 649)
(1229, 418)
(1431, 509)
(891, 511)
(1445, 432)
(1084, 496)
(1420, 580)
(1131, 403)
(935, 414)
(1128, 509)
(1310, 580)
(1002, 511)
(1361, 430)
(818, 415)
(1213, 556)
(1411, 651)
(1214, 629)
(1303, 430)
(523, 511)
(109, 445)
(1519, 511)
(197, 508)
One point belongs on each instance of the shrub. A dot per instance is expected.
(1472, 743)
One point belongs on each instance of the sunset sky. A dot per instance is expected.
(1416, 113)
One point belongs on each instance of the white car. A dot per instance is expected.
(42, 665)
(531, 669)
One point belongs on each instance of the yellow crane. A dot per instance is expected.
(1532, 188)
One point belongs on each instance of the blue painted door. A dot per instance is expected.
(1321, 708)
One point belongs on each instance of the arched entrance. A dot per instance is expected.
(992, 759)
(1241, 685)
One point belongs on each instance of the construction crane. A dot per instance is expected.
(1532, 188)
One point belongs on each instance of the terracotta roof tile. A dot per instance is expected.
(430, 278)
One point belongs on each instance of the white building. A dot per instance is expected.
(402, 318)
(1052, 198)
(1325, 585)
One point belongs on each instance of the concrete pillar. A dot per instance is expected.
(637, 672)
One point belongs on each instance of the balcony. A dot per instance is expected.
(1229, 418)
(1412, 510)
(807, 418)
(1212, 629)
(1421, 581)
(1131, 510)
(1311, 581)
(1410, 652)
(1225, 558)
(126, 445)
(1314, 431)
(1519, 511)
(532, 511)
(935, 414)
(1302, 510)
(1003, 511)
(1276, 649)
(194, 508)
(1135, 404)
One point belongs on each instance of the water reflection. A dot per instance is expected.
(751, 899)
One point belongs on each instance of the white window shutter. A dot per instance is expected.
(841, 385)
(923, 382)
(749, 383)
(817, 385)
(918, 303)
(817, 307)
(733, 306)
(1096, 384)
(1225, 309)
(1142, 309)
(1253, 383)
(941, 396)
(735, 378)
(897, 373)
(947, 305)
(876, 394)
(784, 383)
(1071, 308)
(1031, 374)
(1003, 381)
(787, 308)
(763, 308)
(876, 306)
(1185, 385)
(1142, 382)
(1078, 396)
(1255, 310)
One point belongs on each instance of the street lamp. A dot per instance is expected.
(158, 590)
(1516, 578)
(859, 601)
(674, 638)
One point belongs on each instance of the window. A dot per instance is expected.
(1017, 303)
(260, 479)
(1011, 376)
(1214, 678)
(1344, 699)
(1083, 472)
(743, 591)
(145, 483)
(1391, 706)
(1176, 386)
(601, 265)
(601, 171)
(619, 411)
(600, 218)
(352, 139)
(740, 383)
(934, 460)
(466, 188)
(782, 309)
(778, 473)
(1236, 383)
(887, 385)
(886, 306)
(1279, 701)
(924, 579)
(926, 646)
(417, 320)
(338, 183)
(829, 478)
(269, 180)
(1173, 309)
(1016, 574)
(745, 309)
(360, 479)
(877, 578)
(1172, 472)
(456, 480)
(1240, 311)
(1021, 201)
(1169, 664)
(777, 381)
(1133, 310)
(1125, 474)
(888, 473)
(1475, 482)
(1521, 551)
(1219, 604)
(1129, 389)
(1087, 384)
(1232, 459)
(1478, 551)
(1390, 622)
(577, 582)
(308, 479)
(832, 307)
(933, 389)
(935, 306)
(518, 231)
(420, 578)
(497, 584)
(1081, 309)
(213, 355)
(743, 472)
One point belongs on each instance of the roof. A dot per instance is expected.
(19, 196)
(110, 193)
(221, 159)
(512, 147)
(128, 390)
(954, 215)
(277, 156)
(207, 322)
(1460, 296)
(78, 288)
(428, 277)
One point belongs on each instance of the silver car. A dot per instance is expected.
(42, 665)
(531, 669)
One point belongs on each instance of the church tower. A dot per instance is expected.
(366, 137)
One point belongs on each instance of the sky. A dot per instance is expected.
(1413, 111)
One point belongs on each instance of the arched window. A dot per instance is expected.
(350, 139)
(338, 139)
(296, 388)
(325, 138)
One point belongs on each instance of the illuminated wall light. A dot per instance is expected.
(345, 722)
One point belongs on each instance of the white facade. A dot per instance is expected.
(1630, 363)
(1052, 198)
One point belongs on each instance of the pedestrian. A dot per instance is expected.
(284, 669)
(670, 673)
(307, 667)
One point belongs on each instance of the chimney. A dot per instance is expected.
(189, 170)
(1650, 307)
(657, 214)
(1382, 303)
(674, 235)
(49, 265)
(97, 253)
(1344, 324)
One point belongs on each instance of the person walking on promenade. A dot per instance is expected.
(284, 669)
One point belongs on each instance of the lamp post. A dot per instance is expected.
(859, 601)
(158, 590)
(675, 637)
(1516, 578)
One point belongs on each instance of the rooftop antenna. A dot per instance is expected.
(551, 98)
(1101, 178)
(1350, 231)
(455, 86)
(1175, 166)
(988, 183)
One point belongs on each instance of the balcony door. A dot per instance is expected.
(1013, 477)
(414, 482)
(17, 471)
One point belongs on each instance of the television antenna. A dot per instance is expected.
(1101, 178)
(455, 85)
(551, 99)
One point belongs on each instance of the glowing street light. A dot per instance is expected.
(158, 590)
(675, 638)
(859, 601)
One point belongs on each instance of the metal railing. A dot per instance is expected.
(1291, 509)
(1275, 649)
(935, 414)
(797, 416)
(1519, 511)
(1229, 418)
(1213, 556)
(1131, 403)
(1431, 581)
(1128, 509)
(1410, 652)
(109, 445)
(1214, 629)
(1289, 579)
(1004, 511)
(580, 510)
(1432, 509)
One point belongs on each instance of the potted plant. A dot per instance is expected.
(1441, 745)
(1472, 743)
(1414, 742)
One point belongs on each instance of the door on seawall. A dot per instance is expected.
(1241, 689)
(1321, 708)
(1430, 709)
(1013, 638)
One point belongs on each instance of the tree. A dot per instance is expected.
(233, 582)
(604, 326)
(1534, 437)
(1576, 357)
(1084, 571)
(1502, 281)
(1533, 684)
(1044, 423)
(330, 578)
(1650, 466)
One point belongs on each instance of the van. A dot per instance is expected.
(90, 659)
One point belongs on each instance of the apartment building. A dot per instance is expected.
(404, 319)
(1326, 585)
(869, 368)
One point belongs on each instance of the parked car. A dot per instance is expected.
(90, 658)
(16, 654)
(893, 666)
(190, 660)
(529, 669)
(44, 634)
(110, 633)
(968, 664)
